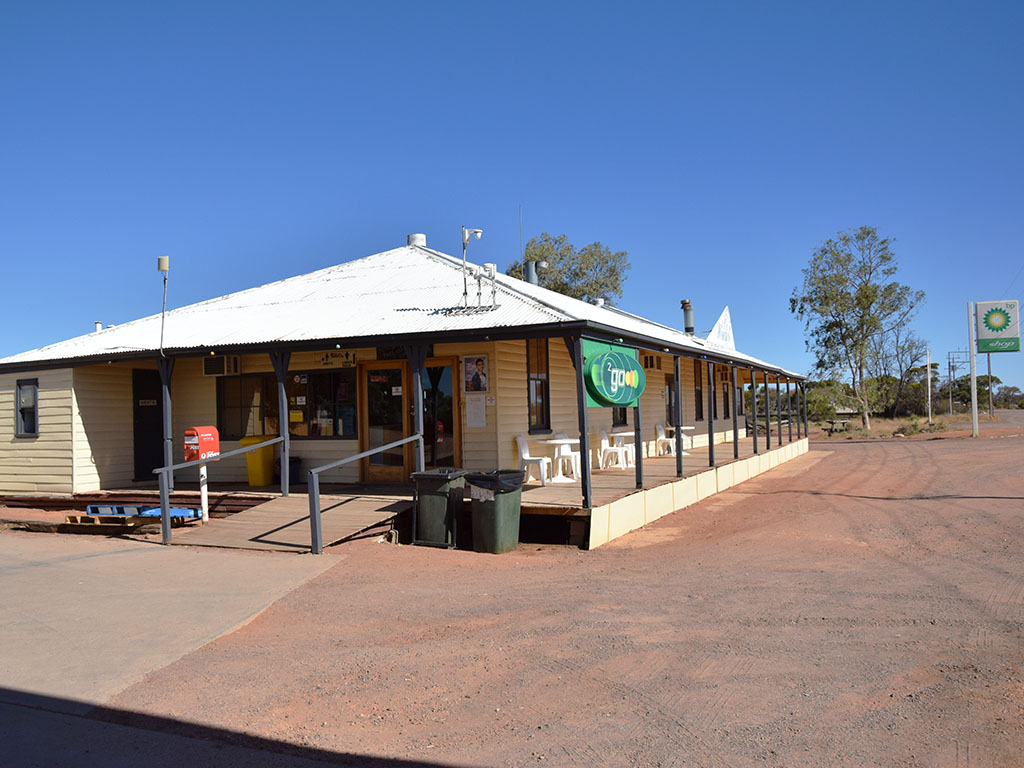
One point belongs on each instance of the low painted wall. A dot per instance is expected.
(610, 521)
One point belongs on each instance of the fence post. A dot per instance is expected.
(316, 536)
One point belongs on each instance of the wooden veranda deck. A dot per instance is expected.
(282, 524)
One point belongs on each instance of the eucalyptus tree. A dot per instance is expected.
(591, 272)
(848, 300)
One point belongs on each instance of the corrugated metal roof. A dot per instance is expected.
(407, 290)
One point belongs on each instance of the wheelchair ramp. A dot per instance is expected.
(282, 524)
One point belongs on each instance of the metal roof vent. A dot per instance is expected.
(598, 302)
(418, 238)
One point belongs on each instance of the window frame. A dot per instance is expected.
(620, 416)
(269, 401)
(19, 418)
(543, 381)
(698, 390)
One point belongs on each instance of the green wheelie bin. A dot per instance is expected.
(496, 499)
(439, 495)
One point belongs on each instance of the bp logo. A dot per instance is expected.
(615, 378)
(997, 320)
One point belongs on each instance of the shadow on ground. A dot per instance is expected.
(45, 731)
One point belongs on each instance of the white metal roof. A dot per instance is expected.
(406, 290)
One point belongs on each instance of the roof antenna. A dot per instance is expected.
(520, 230)
(466, 234)
(163, 264)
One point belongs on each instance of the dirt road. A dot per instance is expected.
(860, 606)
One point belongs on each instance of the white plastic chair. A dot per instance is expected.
(526, 460)
(565, 453)
(661, 441)
(609, 452)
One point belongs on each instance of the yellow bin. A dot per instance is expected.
(260, 462)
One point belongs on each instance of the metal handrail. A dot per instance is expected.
(219, 456)
(162, 472)
(315, 527)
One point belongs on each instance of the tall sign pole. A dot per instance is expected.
(991, 409)
(974, 369)
(929, 375)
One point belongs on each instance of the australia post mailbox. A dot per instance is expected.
(201, 443)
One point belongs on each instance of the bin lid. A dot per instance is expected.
(499, 480)
(440, 472)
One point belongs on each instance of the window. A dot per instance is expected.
(698, 391)
(27, 405)
(538, 389)
(321, 404)
(670, 400)
(619, 417)
(725, 401)
(240, 406)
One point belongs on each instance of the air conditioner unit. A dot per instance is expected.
(221, 365)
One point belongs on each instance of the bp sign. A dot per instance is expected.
(998, 324)
(612, 375)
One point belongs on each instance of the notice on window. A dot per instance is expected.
(476, 411)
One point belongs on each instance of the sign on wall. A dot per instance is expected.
(612, 374)
(998, 324)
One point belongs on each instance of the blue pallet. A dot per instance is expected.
(114, 510)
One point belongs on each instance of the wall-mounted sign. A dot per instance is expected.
(998, 324)
(721, 337)
(612, 374)
(344, 359)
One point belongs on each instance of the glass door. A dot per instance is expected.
(441, 440)
(384, 421)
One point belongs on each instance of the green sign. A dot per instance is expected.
(998, 324)
(612, 374)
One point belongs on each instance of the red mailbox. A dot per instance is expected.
(201, 443)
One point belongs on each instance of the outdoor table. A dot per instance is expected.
(558, 476)
(832, 425)
(618, 435)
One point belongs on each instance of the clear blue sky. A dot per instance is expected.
(717, 143)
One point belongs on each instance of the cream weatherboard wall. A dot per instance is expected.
(512, 399)
(103, 426)
(43, 464)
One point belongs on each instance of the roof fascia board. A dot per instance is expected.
(588, 329)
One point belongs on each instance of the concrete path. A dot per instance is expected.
(83, 617)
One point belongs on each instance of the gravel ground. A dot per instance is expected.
(862, 605)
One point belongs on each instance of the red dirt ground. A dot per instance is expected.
(862, 605)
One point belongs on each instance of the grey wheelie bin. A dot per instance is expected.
(439, 495)
(496, 499)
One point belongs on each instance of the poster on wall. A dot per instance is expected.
(476, 411)
(475, 373)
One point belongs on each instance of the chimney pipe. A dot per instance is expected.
(688, 327)
(98, 324)
(530, 272)
(417, 239)
(598, 302)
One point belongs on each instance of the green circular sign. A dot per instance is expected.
(615, 379)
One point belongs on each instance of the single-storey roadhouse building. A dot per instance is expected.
(401, 343)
